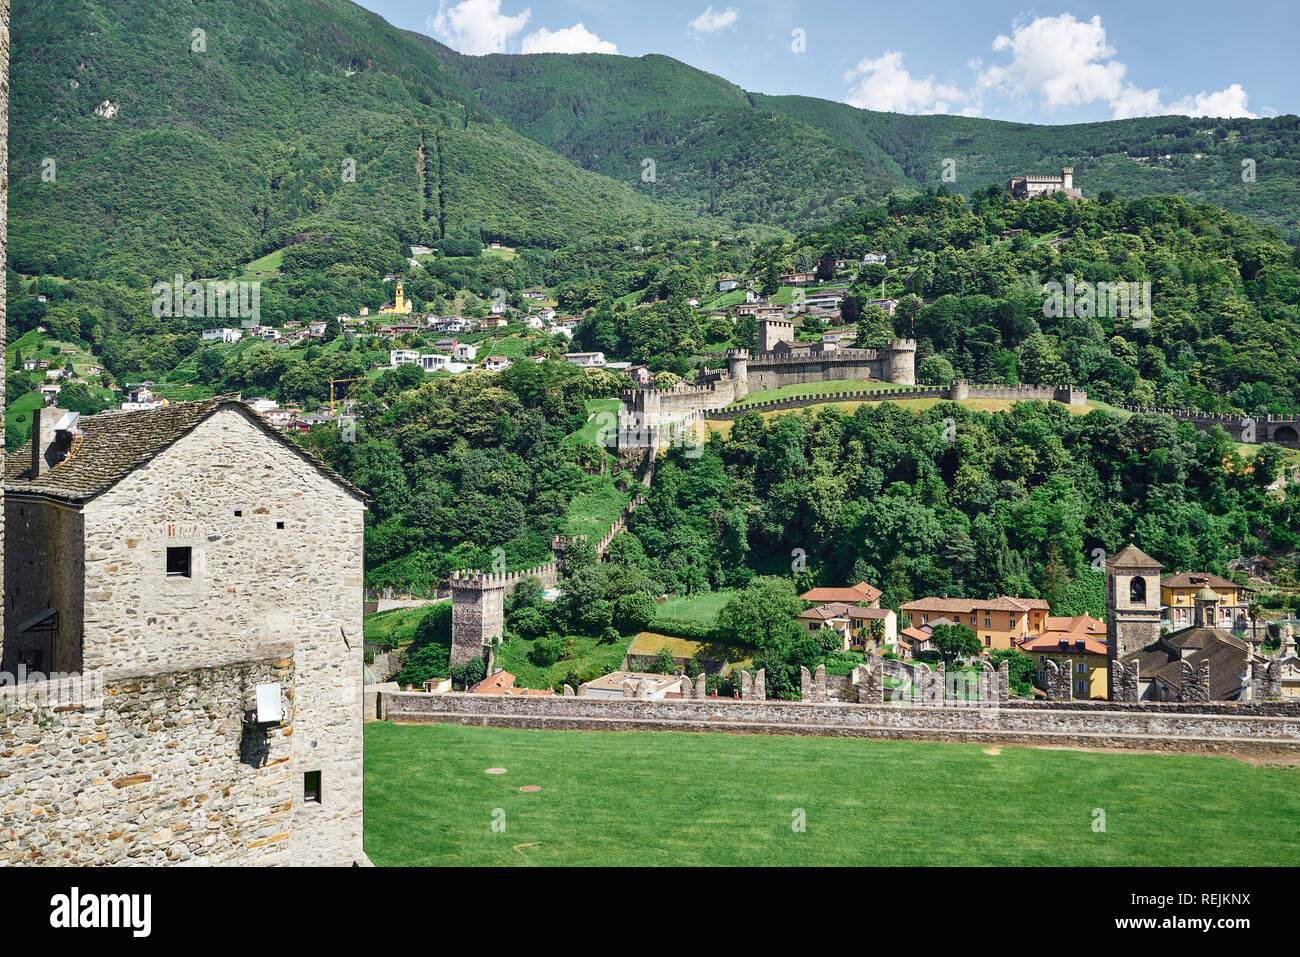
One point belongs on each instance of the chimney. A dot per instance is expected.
(47, 425)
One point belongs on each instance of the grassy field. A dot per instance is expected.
(18, 418)
(590, 659)
(723, 426)
(602, 423)
(267, 265)
(393, 628)
(649, 643)
(813, 388)
(665, 798)
(702, 607)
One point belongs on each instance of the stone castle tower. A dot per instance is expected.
(478, 607)
(1132, 606)
(477, 614)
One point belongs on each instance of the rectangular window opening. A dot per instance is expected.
(178, 562)
(311, 787)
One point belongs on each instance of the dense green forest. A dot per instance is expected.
(1015, 504)
(141, 148)
(721, 149)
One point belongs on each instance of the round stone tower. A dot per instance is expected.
(738, 369)
(900, 362)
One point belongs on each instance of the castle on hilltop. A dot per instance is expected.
(647, 416)
(1027, 187)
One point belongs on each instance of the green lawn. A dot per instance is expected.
(590, 659)
(702, 607)
(601, 425)
(814, 388)
(395, 627)
(669, 798)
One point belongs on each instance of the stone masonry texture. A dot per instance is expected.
(276, 560)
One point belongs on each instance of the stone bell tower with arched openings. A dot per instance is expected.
(1132, 606)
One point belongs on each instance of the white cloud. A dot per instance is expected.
(475, 26)
(885, 84)
(710, 22)
(574, 39)
(1067, 63)
(1229, 102)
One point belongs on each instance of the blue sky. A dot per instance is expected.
(1057, 64)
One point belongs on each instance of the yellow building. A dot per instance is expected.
(1081, 641)
(1178, 596)
(400, 307)
(999, 623)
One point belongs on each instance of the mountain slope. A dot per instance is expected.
(609, 112)
(713, 151)
(187, 152)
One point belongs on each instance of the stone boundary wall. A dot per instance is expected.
(1283, 430)
(150, 770)
(954, 392)
(1188, 729)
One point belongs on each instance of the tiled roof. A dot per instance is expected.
(966, 606)
(853, 593)
(1195, 580)
(1225, 652)
(1133, 556)
(112, 444)
(1073, 642)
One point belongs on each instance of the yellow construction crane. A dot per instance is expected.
(332, 381)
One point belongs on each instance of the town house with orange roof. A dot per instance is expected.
(1080, 642)
(1000, 623)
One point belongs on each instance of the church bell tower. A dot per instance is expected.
(1132, 606)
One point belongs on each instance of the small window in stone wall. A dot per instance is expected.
(178, 562)
(239, 512)
(311, 787)
(279, 524)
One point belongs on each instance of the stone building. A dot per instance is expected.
(1198, 663)
(771, 332)
(1132, 607)
(1027, 187)
(204, 572)
(4, 238)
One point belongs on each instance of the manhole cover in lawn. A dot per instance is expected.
(496, 770)
(530, 787)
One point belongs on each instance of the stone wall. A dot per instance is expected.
(276, 558)
(44, 570)
(4, 239)
(1238, 729)
(1283, 430)
(955, 392)
(153, 769)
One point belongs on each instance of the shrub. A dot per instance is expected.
(545, 652)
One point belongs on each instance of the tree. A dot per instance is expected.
(1020, 669)
(828, 639)
(955, 641)
(634, 612)
(664, 662)
(935, 369)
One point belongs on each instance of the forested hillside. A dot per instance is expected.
(141, 147)
(815, 156)
(712, 151)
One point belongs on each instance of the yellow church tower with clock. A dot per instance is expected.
(400, 307)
